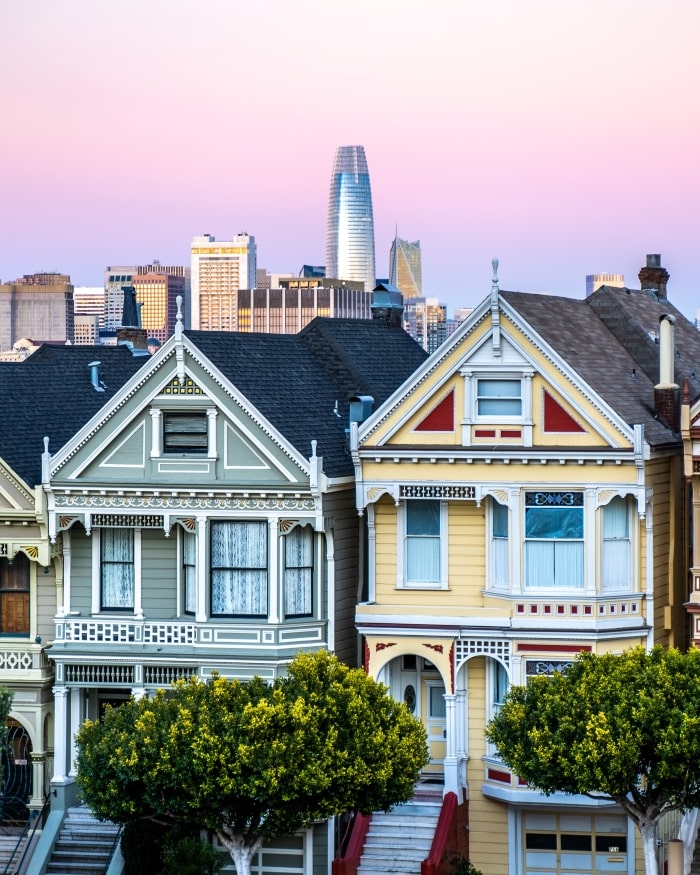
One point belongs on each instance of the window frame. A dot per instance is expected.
(499, 544)
(605, 561)
(403, 581)
(485, 398)
(113, 563)
(188, 571)
(199, 448)
(263, 569)
(9, 565)
(305, 529)
(545, 500)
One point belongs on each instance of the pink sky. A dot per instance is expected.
(562, 136)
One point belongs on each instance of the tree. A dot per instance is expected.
(254, 760)
(620, 727)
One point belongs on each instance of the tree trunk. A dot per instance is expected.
(648, 834)
(240, 852)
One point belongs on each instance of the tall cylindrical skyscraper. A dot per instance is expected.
(350, 232)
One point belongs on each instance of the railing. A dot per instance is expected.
(39, 818)
(117, 837)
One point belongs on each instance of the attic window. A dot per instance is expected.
(185, 433)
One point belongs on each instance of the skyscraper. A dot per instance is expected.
(219, 270)
(37, 306)
(350, 231)
(405, 271)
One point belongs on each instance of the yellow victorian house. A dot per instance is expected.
(523, 500)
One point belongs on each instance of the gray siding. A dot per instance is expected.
(45, 602)
(346, 527)
(81, 571)
(158, 575)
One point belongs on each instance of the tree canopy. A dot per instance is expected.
(624, 727)
(253, 760)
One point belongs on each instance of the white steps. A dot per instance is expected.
(84, 844)
(399, 841)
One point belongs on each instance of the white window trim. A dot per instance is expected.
(490, 552)
(401, 582)
(589, 546)
(471, 415)
(197, 404)
(97, 576)
(633, 529)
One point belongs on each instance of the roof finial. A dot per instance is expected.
(495, 311)
(494, 281)
(178, 318)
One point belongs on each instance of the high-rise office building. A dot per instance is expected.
(595, 280)
(350, 230)
(89, 308)
(423, 318)
(38, 306)
(156, 293)
(405, 270)
(220, 268)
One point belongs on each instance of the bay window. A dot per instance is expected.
(189, 571)
(554, 554)
(499, 545)
(116, 569)
(298, 572)
(239, 574)
(617, 547)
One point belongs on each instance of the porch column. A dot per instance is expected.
(36, 800)
(60, 759)
(76, 718)
(451, 766)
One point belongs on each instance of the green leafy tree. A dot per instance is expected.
(253, 760)
(620, 727)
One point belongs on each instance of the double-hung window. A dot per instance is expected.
(14, 595)
(617, 547)
(498, 397)
(239, 569)
(554, 555)
(298, 572)
(117, 569)
(422, 556)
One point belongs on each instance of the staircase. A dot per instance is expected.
(84, 844)
(9, 852)
(399, 841)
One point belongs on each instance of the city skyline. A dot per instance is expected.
(559, 138)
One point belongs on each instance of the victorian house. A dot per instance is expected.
(50, 394)
(524, 500)
(205, 520)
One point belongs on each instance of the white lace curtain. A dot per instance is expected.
(617, 552)
(239, 568)
(298, 571)
(189, 570)
(117, 555)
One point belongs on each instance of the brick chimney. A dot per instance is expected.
(653, 277)
(666, 391)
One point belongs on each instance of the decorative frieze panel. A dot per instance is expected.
(439, 491)
(609, 609)
(498, 648)
(262, 502)
(135, 521)
(16, 660)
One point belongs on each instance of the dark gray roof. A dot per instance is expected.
(50, 394)
(302, 382)
(609, 340)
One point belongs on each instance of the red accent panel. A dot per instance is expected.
(484, 432)
(497, 775)
(556, 418)
(551, 648)
(439, 847)
(440, 418)
(511, 433)
(347, 863)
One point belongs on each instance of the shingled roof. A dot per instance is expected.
(51, 394)
(302, 383)
(611, 340)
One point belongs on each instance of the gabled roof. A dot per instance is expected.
(302, 383)
(50, 394)
(609, 340)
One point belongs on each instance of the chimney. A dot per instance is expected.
(667, 392)
(654, 278)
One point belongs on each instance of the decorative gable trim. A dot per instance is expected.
(441, 417)
(555, 418)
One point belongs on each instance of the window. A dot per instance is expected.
(617, 551)
(185, 433)
(239, 569)
(117, 569)
(498, 398)
(499, 545)
(554, 539)
(14, 595)
(437, 707)
(189, 571)
(423, 541)
(298, 571)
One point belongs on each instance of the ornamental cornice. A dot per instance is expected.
(18, 485)
(180, 503)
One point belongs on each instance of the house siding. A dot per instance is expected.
(159, 574)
